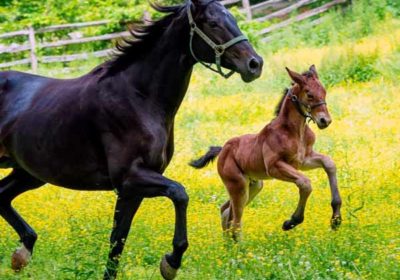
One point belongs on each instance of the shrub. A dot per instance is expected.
(348, 67)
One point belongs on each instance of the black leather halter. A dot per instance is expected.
(303, 108)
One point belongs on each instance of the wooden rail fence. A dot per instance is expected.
(270, 9)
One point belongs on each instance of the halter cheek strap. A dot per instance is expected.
(218, 49)
(300, 105)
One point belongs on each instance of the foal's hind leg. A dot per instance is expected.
(255, 187)
(10, 187)
(237, 187)
(283, 171)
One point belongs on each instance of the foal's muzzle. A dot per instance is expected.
(323, 122)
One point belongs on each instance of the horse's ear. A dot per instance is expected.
(296, 77)
(195, 2)
(314, 71)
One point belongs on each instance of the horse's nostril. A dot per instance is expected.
(325, 122)
(254, 64)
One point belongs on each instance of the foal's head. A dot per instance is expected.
(218, 24)
(309, 94)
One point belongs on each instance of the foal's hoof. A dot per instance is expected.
(289, 224)
(335, 222)
(167, 271)
(20, 258)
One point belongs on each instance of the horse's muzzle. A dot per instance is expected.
(253, 69)
(323, 122)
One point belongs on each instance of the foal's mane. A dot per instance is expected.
(144, 37)
(278, 107)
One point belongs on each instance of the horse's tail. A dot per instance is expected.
(212, 153)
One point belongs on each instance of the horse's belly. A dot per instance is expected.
(63, 160)
(66, 173)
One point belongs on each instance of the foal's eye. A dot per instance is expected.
(309, 95)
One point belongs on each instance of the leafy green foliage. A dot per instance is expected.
(349, 66)
(358, 20)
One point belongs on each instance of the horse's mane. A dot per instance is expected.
(144, 37)
(278, 107)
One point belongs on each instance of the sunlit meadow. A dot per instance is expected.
(363, 140)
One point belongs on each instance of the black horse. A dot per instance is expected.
(112, 129)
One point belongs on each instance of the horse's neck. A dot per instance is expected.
(164, 73)
(290, 117)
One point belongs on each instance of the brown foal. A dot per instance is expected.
(281, 148)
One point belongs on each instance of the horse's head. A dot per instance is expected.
(311, 96)
(216, 38)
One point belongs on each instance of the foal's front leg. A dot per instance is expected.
(283, 171)
(316, 160)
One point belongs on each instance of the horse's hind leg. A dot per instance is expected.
(255, 187)
(226, 216)
(10, 187)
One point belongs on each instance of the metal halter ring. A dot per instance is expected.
(300, 105)
(219, 49)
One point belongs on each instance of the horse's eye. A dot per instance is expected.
(213, 24)
(309, 95)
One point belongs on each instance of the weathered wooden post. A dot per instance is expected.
(32, 44)
(146, 17)
(247, 8)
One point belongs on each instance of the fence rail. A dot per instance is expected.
(276, 9)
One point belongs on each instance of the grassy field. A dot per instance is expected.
(363, 140)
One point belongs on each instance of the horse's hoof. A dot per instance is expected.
(20, 258)
(167, 271)
(225, 220)
(288, 225)
(335, 222)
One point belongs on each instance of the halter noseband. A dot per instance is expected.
(218, 49)
(300, 105)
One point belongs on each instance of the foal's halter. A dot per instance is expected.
(300, 106)
(218, 49)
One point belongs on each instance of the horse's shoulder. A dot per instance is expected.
(310, 136)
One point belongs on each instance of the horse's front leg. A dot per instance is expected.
(316, 160)
(125, 210)
(147, 183)
(283, 171)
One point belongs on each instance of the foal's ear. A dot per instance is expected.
(314, 71)
(296, 77)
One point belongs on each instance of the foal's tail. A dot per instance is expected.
(212, 153)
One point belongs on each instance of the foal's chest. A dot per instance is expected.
(298, 154)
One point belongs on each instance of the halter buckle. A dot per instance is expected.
(219, 50)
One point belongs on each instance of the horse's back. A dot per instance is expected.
(17, 90)
(14, 79)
